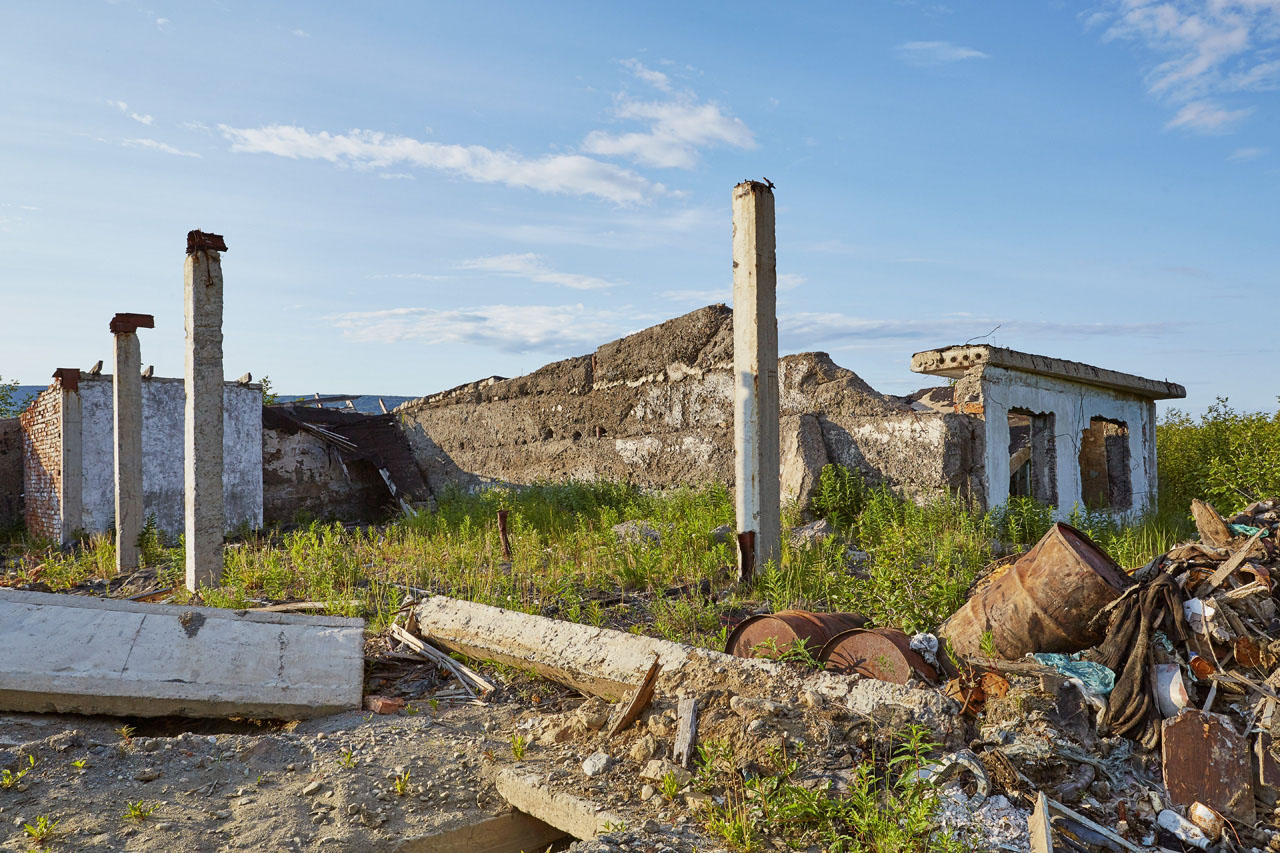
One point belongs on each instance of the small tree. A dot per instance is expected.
(9, 404)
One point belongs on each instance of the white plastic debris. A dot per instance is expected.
(1183, 829)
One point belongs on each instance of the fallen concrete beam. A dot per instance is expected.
(77, 655)
(513, 832)
(574, 815)
(600, 661)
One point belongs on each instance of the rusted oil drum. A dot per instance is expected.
(881, 653)
(1043, 603)
(785, 628)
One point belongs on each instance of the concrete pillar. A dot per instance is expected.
(71, 505)
(205, 523)
(126, 383)
(755, 369)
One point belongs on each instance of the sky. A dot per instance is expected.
(417, 195)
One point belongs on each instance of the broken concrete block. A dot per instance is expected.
(383, 704)
(629, 532)
(71, 654)
(804, 455)
(658, 768)
(576, 816)
(1206, 761)
(811, 534)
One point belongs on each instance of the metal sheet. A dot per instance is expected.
(1206, 761)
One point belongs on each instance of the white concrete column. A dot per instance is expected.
(126, 383)
(71, 502)
(205, 523)
(755, 369)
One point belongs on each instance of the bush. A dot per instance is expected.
(1226, 457)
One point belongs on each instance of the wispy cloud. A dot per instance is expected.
(161, 23)
(1241, 155)
(154, 145)
(1204, 49)
(1207, 117)
(656, 79)
(678, 128)
(810, 329)
(699, 297)
(790, 280)
(534, 268)
(555, 329)
(124, 109)
(927, 53)
(414, 276)
(301, 33)
(571, 174)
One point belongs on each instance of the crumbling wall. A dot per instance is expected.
(163, 453)
(10, 472)
(656, 408)
(41, 424)
(303, 477)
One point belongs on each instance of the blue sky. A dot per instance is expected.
(416, 195)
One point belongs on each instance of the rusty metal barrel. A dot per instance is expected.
(759, 636)
(881, 653)
(1043, 603)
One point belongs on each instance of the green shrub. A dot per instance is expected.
(1226, 457)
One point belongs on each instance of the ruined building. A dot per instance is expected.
(656, 408)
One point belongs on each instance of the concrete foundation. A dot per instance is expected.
(77, 655)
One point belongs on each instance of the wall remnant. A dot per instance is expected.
(10, 472)
(72, 431)
(656, 408)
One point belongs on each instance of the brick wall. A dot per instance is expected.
(42, 474)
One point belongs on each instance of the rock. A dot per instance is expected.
(592, 714)
(810, 699)
(596, 764)
(898, 705)
(751, 706)
(658, 768)
(311, 789)
(647, 791)
(637, 531)
(663, 725)
(63, 741)
(696, 800)
(811, 534)
(804, 454)
(147, 774)
(723, 534)
(643, 749)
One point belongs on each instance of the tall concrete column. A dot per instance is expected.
(72, 454)
(755, 369)
(126, 383)
(205, 523)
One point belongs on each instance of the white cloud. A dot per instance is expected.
(1241, 155)
(197, 126)
(415, 276)
(790, 280)
(1202, 48)
(937, 52)
(124, 108)
(572, 174)
(395, 176)
(1207, 117)
(532, 267)
(700, 297)
(153, 145)
(810, 329)
(300, 33)
(656, 79)
(508, 328)
(677, 130)
(161, 23)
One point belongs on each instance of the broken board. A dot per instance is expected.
(1206, 761)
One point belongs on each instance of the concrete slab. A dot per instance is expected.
(79, 655)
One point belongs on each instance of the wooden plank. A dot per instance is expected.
(1213, 530)
(639, 699)
(686, 732)
(1038, 825)
(469, 678)
(1233, 562)
(513, 832)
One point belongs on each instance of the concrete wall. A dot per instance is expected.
(1073, 406)
(163, 402)
(10, 472)
(303, 476)
(656, 408)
